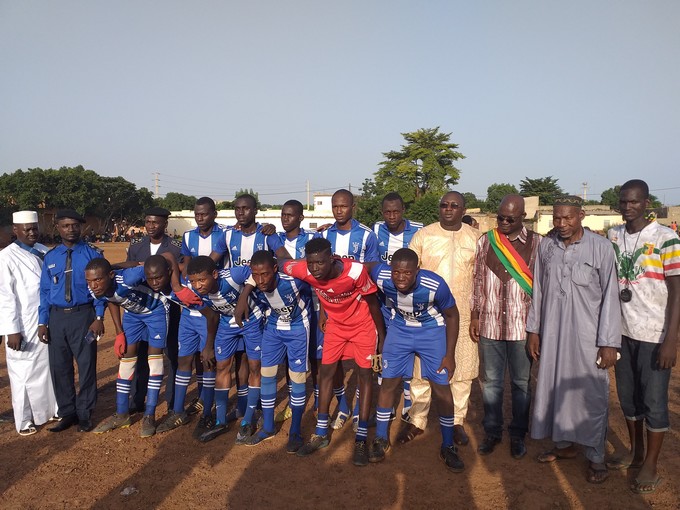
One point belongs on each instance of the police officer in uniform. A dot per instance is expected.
(155, 242)
(70, 322)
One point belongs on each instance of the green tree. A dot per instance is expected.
(494, 195)
(471, 201)
(177, 201)
(249, 191)
(425, 209)
(369, 203)
(425, 164)
(545, 188)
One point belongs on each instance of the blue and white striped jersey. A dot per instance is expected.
(388, 243)
(290, 303)
(240, 247)
(229, 286)
(296, 247)
(422, 307)
(359, 243)
(134, 297)
(194, 244)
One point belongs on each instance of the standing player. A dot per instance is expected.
(237, 246)
(393, 233)
(286, 337)
(349, 298)
(203, 240)
(352, 240)
(145, 320)
(220, 291)
(424, 321)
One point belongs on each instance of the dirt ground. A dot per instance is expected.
(172, 470)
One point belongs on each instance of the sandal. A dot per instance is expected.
(622, 463)
(597, 475)
(28, 431)
(557, 454)
(653, 484)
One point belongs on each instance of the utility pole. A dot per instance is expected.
(308, 194)
(155, 184)
(585, 190)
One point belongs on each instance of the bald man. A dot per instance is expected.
(500, 303)
(447, 248)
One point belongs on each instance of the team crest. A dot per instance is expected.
(289, 298)
(355, 247)
(260, 246)
(648, 248)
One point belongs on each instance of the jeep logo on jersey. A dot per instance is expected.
(386, 257)
(242, 262)
(351, 257)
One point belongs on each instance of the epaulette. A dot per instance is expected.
(95, 248)
(177, 242)
(135, 240)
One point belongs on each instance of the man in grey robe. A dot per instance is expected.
(574, 328)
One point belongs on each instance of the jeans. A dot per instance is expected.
(496, 355)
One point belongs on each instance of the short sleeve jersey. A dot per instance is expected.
(643, 262)
(229, 286)
(359, 243)
(289, 303)
(296, 247)
(420, 308)
(388, 242)
(341, 296)
(133, 296)
(194, 244)
(240, 247)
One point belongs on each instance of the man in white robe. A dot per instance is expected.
(33, 397)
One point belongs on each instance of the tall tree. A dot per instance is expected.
(424, 164)
(244, 191)
(495, 193)
(610, 197)
(174, 201)
(471, 201)
(545, 188)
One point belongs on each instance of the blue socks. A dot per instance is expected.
(152, 392)
(123, 396)
(446, 425)
(321, 424)
(221, 402)
(253, 400)
(268, 403)
(343, 406)
(208, 393)
(382, 421)
(298, 400)
(241, 399)
(182, 379)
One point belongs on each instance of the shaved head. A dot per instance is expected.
(459, 196)
(514, 202)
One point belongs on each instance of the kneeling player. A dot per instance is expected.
(424, 322)
(145, 320)
(286, 337)
(349, 298)
(221, 291)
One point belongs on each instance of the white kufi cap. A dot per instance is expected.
(25, 217)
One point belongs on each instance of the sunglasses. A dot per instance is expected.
(506, 219)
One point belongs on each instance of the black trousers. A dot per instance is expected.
(67, 341)
(140, 380)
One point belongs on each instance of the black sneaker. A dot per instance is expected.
(488, 445)
(316, 442)
(244, 432)
(217, 430)
(379, 446)
(449, 454)
(295, 442)
(196, 406)
(172, 421)
(205, 423)
(360, 457)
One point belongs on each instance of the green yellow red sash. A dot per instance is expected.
(511, 260)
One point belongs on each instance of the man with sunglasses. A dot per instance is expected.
(501, 298)
(447, 248)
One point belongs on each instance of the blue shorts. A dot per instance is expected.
(315, 337)
(249, 337)
(403, 343)
(276, 344)
(226, 340)
(151, 328)
(193, 333)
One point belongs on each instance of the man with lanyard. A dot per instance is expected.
(70, 322)
(27, 358)
(393, 233)
(501, 297)
(648, 264)
(351, 240)
(155, 242)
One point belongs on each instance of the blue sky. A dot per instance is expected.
(223, 95)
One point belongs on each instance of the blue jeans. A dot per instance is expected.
(496, 355)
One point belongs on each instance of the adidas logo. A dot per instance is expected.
(298, 362)
(330, 290)
(382, 243)
(157, 337)
(258, 348)
(193, 250)
(234, 248)
(320, 348)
